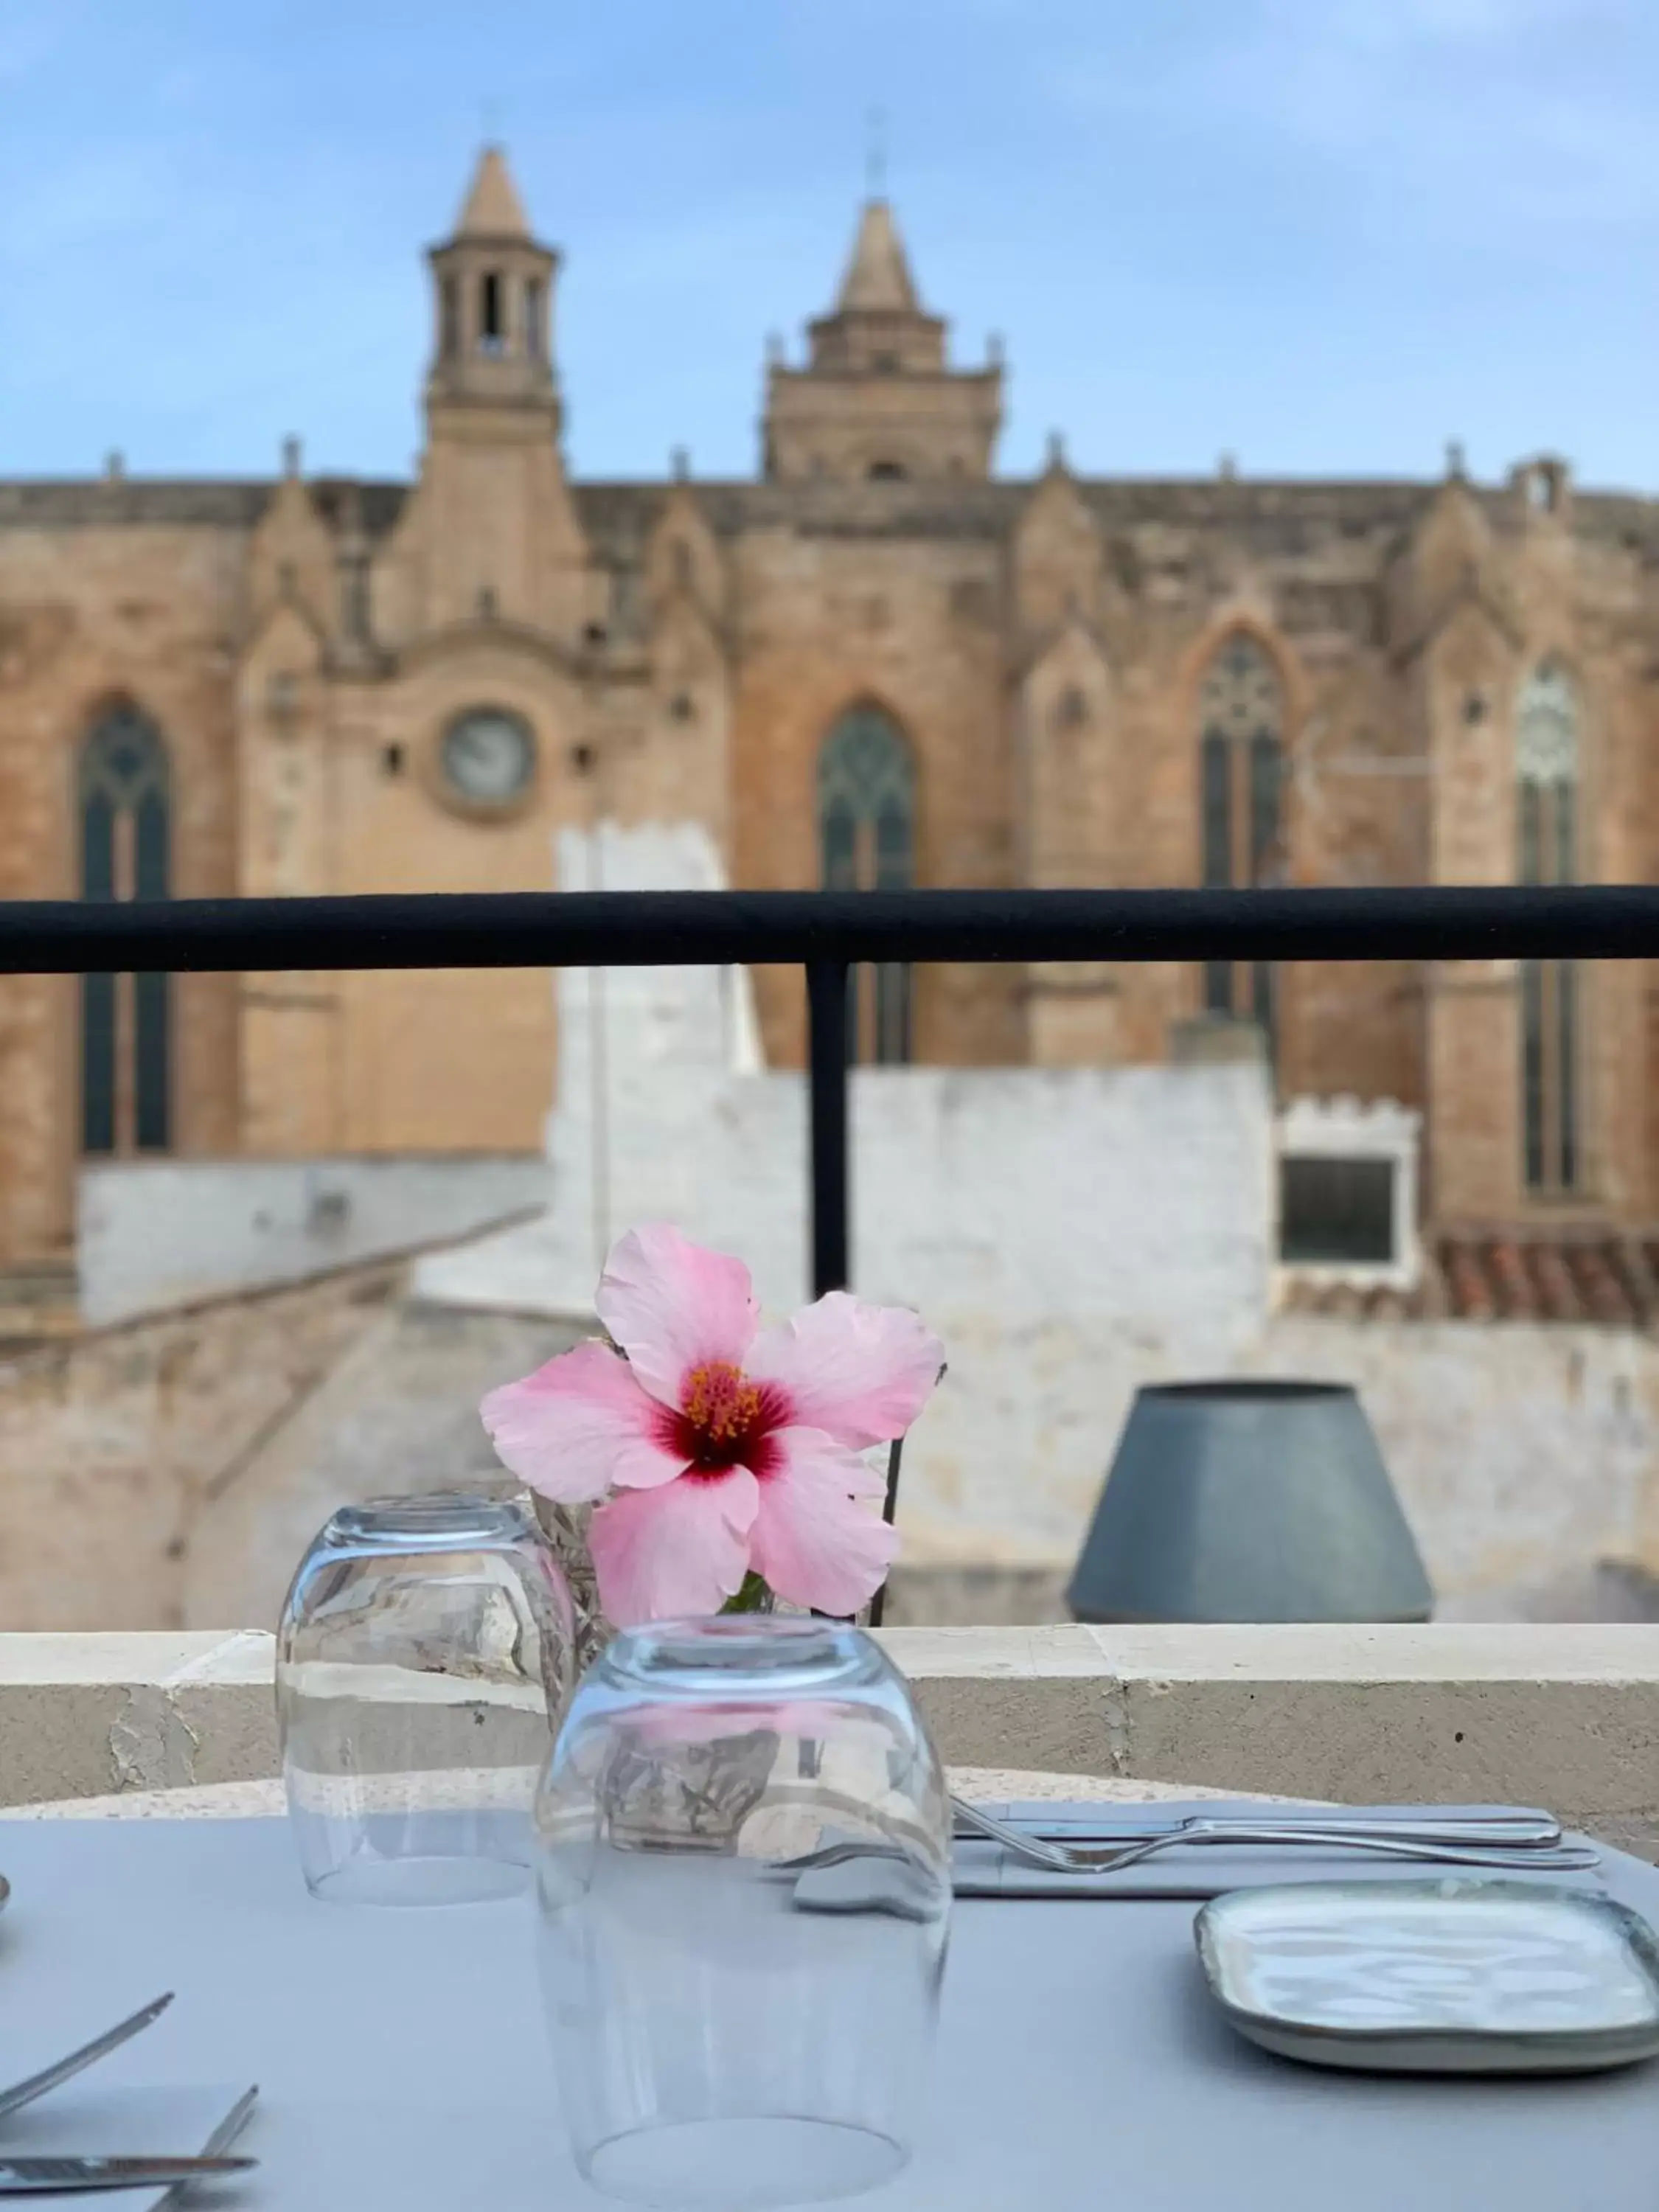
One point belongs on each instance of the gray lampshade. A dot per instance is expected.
(1249, 1501)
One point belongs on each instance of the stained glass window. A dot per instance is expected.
(124, 807)
(1547, 745)
(1241, 739)
(867, 842)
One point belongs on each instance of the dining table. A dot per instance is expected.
(402, 2064)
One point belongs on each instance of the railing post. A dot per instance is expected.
(826, 1008)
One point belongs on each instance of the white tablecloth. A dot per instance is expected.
(1081, 2064)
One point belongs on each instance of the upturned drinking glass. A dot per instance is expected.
(743, 1881)
(423, 1663)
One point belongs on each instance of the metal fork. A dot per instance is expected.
(217, 2143)
(1505, 1825)
(1074, 1858)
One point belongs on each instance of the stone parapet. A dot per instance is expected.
(1565, 1716)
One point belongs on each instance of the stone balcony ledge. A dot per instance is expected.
(1565, 1717)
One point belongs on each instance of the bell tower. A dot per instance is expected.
(877, 397)
(491, 532)
(493, 324)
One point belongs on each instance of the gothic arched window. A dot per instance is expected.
(867, 842)
(124, 807)
(1546, 809)
(1241, 710)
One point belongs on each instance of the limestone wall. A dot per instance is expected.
(169, 1473)
(110, 608)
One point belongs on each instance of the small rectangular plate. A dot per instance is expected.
(1453, 1976)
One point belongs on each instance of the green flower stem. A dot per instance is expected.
(754, 1595)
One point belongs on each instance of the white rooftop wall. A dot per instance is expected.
(154, 1234)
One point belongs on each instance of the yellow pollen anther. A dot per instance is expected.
(718, 1401)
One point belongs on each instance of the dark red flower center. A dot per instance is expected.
(724, 1420)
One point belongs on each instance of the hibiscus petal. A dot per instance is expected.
(681, 1550)
(578, 1425)
(860, 1373)
(673, 1306)
(817, 1539)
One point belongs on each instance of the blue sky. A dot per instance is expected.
(1324, 235)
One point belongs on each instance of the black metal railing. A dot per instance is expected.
(828, 932)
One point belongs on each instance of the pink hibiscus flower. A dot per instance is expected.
(729, 1447)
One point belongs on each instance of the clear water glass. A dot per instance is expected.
(422, 1664)
(743, 1884)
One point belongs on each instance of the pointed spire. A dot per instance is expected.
(878, 278)
(835, 413)
(493, 208)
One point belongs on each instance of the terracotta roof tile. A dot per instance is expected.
(1469, 1292)
(1552, 1278)
(1516, 1299)
(1572, 1277)
(1608, 1296)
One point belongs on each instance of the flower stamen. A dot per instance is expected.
(719, 1403)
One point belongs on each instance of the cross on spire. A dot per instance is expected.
(875, 153)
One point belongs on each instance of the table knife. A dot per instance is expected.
(49, 2176)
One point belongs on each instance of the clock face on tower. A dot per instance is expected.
(488, 755)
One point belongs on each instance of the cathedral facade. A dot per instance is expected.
(876, 663)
